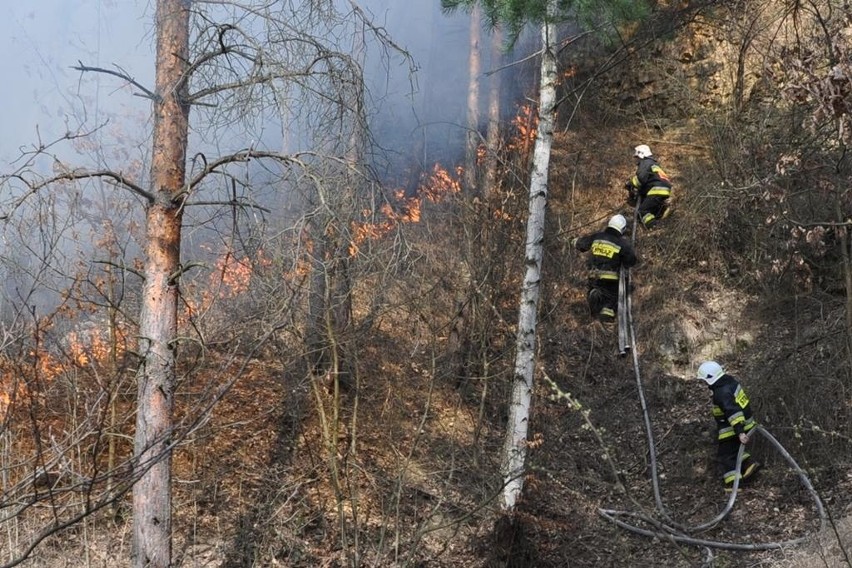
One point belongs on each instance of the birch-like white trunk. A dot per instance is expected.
(515, 446)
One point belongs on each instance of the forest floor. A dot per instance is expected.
(581, 461)
(598, 457)
(253, 488)
(601, 460)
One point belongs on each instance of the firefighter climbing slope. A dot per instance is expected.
(609, 251)
(650, 186)
(734, 421)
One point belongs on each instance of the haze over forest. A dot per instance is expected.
(44, 97)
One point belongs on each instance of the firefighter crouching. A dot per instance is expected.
(609, 251)
(734, 422)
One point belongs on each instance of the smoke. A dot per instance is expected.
(420, 113)
(420, 118)
(416, 105)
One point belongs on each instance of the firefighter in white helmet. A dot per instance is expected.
(610, 250)
(652, 184)
(734, 421)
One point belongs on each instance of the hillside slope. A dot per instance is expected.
(707, 286)
(396, 464)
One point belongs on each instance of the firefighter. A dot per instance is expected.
(610, 250)
(652, 184)
(734, 422)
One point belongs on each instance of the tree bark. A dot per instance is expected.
(515, 446)
(492, 136)
(845, 246)
(152, 523)
(330, 302)
(474, 65)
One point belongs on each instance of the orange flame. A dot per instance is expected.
(230, 277)
(233, 274)
(481, 152)
(435, 187)
(526, 124)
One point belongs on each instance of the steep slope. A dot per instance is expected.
(704, 289)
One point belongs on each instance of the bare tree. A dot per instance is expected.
(515, 446)
(492, 137)
(230, 64)
(515, 15)
(152, 526)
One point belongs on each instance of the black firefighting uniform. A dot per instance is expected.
(609, 252)
(733, 415)
(652, 184)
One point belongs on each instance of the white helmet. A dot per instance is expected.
(618, 222)
(710, 371)
(642, 151)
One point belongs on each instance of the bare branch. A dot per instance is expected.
(238, 158)
(121, 74)
(230, 203)
(75, 175)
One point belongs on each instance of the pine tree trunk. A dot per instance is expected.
(515, 447)
(152, 523)
(492, 137)
(472, 138)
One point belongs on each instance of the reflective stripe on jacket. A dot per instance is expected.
(651, 179)
(731, 408)
(609, 252)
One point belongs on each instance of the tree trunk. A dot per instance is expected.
(845, 246)
(492, 137)
(152, 524)
(315, 344)
(331, 282)
(515, 446)
(472, 138)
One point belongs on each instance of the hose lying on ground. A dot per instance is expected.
(679, 533)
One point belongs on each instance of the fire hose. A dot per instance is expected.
(666, 527)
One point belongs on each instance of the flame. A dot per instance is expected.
(234, 275)
(12, 386)
(230, 277)
(440, 183)
(435, 187)
(91, 348)
(526, 124)
(481, 153)
(79, 349)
